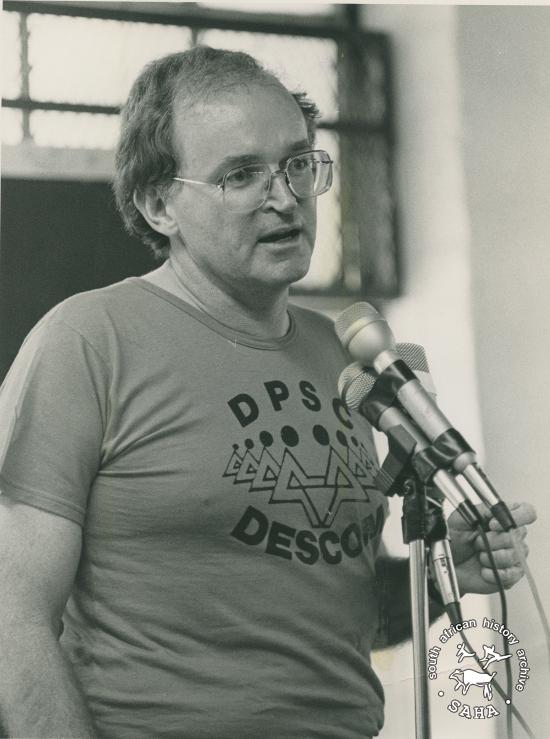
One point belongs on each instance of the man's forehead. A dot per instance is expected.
(239, 119)
(212, 101)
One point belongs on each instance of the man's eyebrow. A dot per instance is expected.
(303, 145)
(238, 160)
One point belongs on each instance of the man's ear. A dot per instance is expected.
(153, 205)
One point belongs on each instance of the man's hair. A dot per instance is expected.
(145, 153)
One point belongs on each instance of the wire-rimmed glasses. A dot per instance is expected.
(246, 188)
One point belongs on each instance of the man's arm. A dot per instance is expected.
(39, 695)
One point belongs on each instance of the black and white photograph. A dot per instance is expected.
(274, 408)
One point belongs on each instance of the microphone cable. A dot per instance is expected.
(534, 593)
(514, 533)
(504, 619)
(511, 710)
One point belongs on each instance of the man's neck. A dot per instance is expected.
(262, 314)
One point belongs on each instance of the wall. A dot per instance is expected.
(473, 105)
(504, 57)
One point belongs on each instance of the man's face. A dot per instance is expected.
(270, 247)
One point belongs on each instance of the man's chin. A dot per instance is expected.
(289, 270)
(284, 275)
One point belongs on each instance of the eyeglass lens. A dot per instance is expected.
(247, 187)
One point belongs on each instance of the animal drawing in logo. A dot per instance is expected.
(490, 655)
(464, 679)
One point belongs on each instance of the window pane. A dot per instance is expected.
(12, 126)
(82, 60)
(326, 262)
(302, 63)
(11, 74)
(74, 130)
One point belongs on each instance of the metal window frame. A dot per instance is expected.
(355, 45)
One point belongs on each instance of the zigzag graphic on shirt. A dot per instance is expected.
(321, 496)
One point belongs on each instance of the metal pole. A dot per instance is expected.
(419, 618)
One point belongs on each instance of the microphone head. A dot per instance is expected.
(364, 333)
(347, 376)
(414, 356)
(354, 385)
(356, 381)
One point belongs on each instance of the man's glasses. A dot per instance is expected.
(246, 188)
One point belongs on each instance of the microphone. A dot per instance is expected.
(368, 338)
(359, 381)
(445, 576)
(354, 385)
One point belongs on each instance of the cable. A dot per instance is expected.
(511, 710)
(535, 593)
(504, 620)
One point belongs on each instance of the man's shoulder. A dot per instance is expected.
(91, 316)
(308, 317)
(109, 296)
(318, 336)
(86, 311)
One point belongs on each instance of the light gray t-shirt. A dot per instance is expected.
(226, 587)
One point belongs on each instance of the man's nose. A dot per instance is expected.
(280, 196)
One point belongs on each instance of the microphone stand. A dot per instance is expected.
(413, 465)
(422, 523)
(413, 522)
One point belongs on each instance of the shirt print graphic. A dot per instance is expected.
(288, 477)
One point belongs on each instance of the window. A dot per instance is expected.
(344, 69)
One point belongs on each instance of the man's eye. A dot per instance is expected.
(242, 176)
(300, 164)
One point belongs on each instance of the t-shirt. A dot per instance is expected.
(226, 587)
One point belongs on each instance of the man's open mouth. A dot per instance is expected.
(283, 234)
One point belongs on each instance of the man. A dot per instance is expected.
(176, 459)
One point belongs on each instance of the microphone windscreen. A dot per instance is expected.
(347, 376)
(414, 356)
(353, 318)
(354, 384)
(356, 381)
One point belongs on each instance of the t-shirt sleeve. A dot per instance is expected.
(53, 406)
